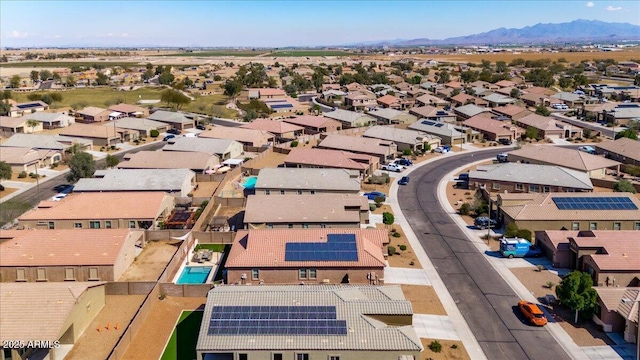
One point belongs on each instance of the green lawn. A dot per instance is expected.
(182, 343)
(287, 53)
(213, 247)
(11, 209)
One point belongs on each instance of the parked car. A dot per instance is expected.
(534, 251)
(441, 149)
(58, 197)
(404, 162)
(403, 181)
(504, 141)
(392, 167)
(587, 149)
(484, 222)
(170, 136)
(533, 313)
(502, 157)
(67, 189)
(201, 127)
(463, 177)
(374, 194)
(174, 131)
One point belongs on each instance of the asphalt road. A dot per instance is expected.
(608, 132)
(485, 300)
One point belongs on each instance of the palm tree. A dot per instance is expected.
(32, 124)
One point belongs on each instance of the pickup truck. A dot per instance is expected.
(393, 167)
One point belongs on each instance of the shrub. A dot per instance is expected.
(412, 263)
(550, 284)
(403, 247)
(372, 207)
(22, 175)
(391, 250)
(524, 233)
(397, 235)
(539, 268)
(624, 186)
(465, 209)
(388, 218)
(511, 230)
(407, 152)
(294, 143)
(154, 133)
(435, 346)
(378, 200)
(33, 175)
(136, 141)
(113, 147)
(454, 346)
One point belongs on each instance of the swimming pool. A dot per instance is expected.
(250, 182)
(194, 275)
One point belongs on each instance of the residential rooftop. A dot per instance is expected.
(533, 174)
(307, 179)
(319, 208)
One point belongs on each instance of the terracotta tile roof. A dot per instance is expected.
(628, 306)
(329, 158)
(505, 83)
(463, 98)
(169, 160)
(320, 208)
(266, 248)
(312, 121)
(388, 100)
(73, 247)
(18, 155)
(610, 297)
(544, 123)
(239, 134)
(570, 158)
(38, 311)
(112, 205)
(271, 92)
(6, 121)
(539, 90)
(621, 249)
(623, 146)
(126, 108)
(509, 110)
(90, 130)
(358, 144)
(485, 123)
(91, 111)
(272, 126)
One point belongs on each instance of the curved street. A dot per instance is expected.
(483, 297)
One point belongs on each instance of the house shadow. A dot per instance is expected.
(493, 253)
(237, 220)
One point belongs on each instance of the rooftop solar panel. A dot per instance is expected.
(339, 247)
(28, 106)
(596, 203)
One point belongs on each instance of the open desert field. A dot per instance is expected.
(571, 57)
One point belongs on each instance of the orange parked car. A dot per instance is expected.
(533, 313)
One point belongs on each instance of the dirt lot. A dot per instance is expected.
(7, 191)
(571, 57)
(94, 344)
(451, 350)
(205, 189)
(151, 262)
(423, 299)
(270, 161)
(457, 197)
(383, 188)
(150, 340)
(585, 333)
(401, 258)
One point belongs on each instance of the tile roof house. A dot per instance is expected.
(177, 182)
(142, 127)
(298, 181)
(247, 137)
(594, 165)
(496, 100)
(350, 119)
(433, 113)
(69, 308)
(12, 125)
(591, 211)
(382, 149)
(47, 142)
(390, 101)
(314, 124)
(624, 150)
(50, 120)
(392, 116)
(618, 310)
(450, 134)
(224, 148)
(360, 100)
(324, 158)
(430, 100)
(177, 120)
(117, 210)
(283, 131)
(69, 255)
(513, 112)
(28, 159)
(493, 130)
(194, 161)
(466, 99)
(379, 317)
(129, 110)
(466, 111)
(403, 138)
(535, 99)
(306, 211)
(99, 135)
(268, 256)
(92, 114)
(21, 109)
(549, 127)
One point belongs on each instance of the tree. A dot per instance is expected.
(632, 170)
(45, 75)
(112, 160)
(443, 77)
(624, 186)
(81, 166)
(531, 133)
(542, 110)
(14, 81)
(515, 93)
(70, 81)
(5, 107)
(175, 98)
(34, 75)
(232, 87)
(102, 79)
(166, 78)
(576, 291)
(388, 218)
(5, 171)
(32, 124)
(6, 95)
(628, 133)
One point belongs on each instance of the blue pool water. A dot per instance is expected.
(250, 182)
(194, 275)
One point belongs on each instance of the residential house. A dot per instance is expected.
(306, 211)
(513, 112)
(392, 102)
(50, 120)
(324, 158)
(176, 120)
(140, 128)
(430, 100)
(299, 181)
(99, 135)
(433, 113)
(247, 137)
(519, 178)
(177, 182)
(496, 100)
(450, 134)
(392, 116)
(132, 111)
(493, 130)
(116, 210)
(506, 83)
(454, 85)
(197, 162)
(69, 255)
(403, 138)
(314, 124)
(616, 310)
(466, 99)
(21, 109)
(69, 308)
(548, 127)
(267, 94)
(283, 131)
(28, 159)
(93, 114)
(223, 148)
(572, 100)
(623, 114)
(361, 100)
(468, 111)
(10, 126)
(47, 142)
(350, 119)
(624, 150)
(275, 257)
(594, 165)
(382, 149)
(349, 316)
(570, 211)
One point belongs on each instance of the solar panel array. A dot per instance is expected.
(339, 247)
(594, 203)
(28, 106)
(427, 122)
(275, 320)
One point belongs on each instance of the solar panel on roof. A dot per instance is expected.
(597, 203)
(28, 106)
(339, 247)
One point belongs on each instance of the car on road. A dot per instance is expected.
(441, 149)
(201, 127)
(532, 312)
(170, 136)
(404, 180)
(504, 141)
(404, 162)
(588, 149)
(502, 157)
(374, 194)
(484, 222)
(393, 167)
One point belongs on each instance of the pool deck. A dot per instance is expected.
(213, 263)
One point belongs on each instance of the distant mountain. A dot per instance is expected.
(574, 31)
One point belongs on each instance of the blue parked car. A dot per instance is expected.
(374, 194)
(404, 162)
(403, 181)
(170, 136)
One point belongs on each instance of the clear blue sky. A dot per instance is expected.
(280, 23)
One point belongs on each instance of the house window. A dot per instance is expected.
(243, 357)
(519, 187)
(334, 357)
(593, 226)
(21, 275)
(94, 224)
(305, 226)
(302, 273)
(299, 192)
(41, 274)
(269, 226)
(323, 225)
(276, 357)
(93, 273)
(132, 224)
(534, 188)
(290, 226)
(267, 192)
(51, 225)
(495, 186)
(575, 226)
(546, 189)
(107, 224)
(636, 226)
(77, 225)
(69, 274)
(617, 226)
(255, 274)
(302, 356)
(312, 273)
(312, 192)
(281, 192)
